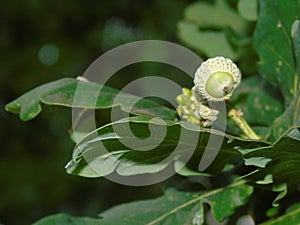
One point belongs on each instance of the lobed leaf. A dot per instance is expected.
(65, 92)
(281, 160)
(210, 43)
(176, 207)
(207, 33)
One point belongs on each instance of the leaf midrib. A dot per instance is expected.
(280, 219)
(296, 113)
(193, 201)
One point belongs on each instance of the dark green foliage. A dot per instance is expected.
(269, 97)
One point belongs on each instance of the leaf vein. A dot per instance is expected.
(193, 201)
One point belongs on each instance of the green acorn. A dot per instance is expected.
(216, 79)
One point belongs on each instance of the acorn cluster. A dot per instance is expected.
(215, 80)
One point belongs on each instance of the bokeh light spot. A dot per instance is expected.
(48, 54)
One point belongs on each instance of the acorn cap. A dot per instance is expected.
(216, 79)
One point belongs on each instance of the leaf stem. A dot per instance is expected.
(237, 117)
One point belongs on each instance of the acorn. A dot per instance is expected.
(216, 79)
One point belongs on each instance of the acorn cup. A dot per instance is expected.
(215, 80)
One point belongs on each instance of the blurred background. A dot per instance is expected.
(42, 41)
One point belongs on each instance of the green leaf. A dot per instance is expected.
(176, 207)
(211, 43)
(277, 42)
(28, 105)
(63, 91)
(183, 170)
(138, 146)
(274, 45)
(64, 219)
(259, 106)
(282, 159)
(223, 15)
(292, 216)
(291, 116)
(248, 9)
(289, 119)
(195, 31)
(282, 189)
(295, 33)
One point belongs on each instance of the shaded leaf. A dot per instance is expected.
(137, 146)
(292, 216)
(282, 159)
(277, 42)
(273, 42)
(289, 119)
(295, 33)
(176, 207)
(64, 219)
(259, 106)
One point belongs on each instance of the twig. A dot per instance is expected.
(237, 117)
